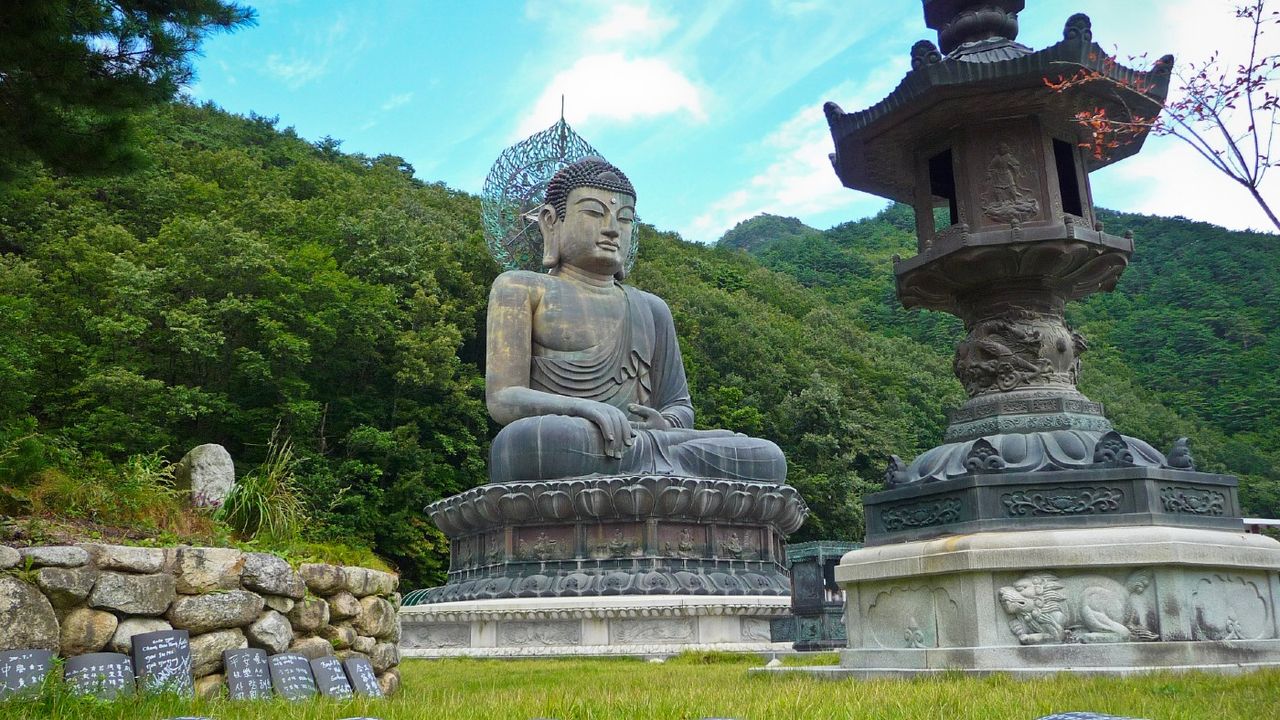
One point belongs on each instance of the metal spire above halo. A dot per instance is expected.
(517, 186)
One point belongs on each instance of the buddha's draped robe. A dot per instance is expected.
(639, 364)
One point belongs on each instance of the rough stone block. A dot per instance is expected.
(210, 687)
(269, 574)
(85, 630)
(271, 632)
(122, 640)
(133, 594)
(201, 570)
(389, 681)
(202, 613)
(377, 618)
(339, 636)
(343, 605)
(67, 556)
(279, 603)
(363, 582)
(9, 557)
(206, 650)
(383, 583)
(311, 647)
(363, 644)
(129, 559)
(349, 653)
(322, 579)
(384, 656)
(27, 621)
(309, 615)
(66, 587)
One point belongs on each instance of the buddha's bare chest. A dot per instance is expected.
(576, 321)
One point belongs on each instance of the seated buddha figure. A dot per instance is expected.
(584, 372)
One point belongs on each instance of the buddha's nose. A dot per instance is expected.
(611, 231)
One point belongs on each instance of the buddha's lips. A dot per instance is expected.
(607, 245)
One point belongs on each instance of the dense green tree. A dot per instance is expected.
(71, 72)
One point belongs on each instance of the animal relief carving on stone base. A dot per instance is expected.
(1048, 610)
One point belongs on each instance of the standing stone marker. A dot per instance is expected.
(248, 674)
(291, 676)
(104, 675)
(210, 474)
(364, 681)
(162, 660)
(22, 669)
(331, 678)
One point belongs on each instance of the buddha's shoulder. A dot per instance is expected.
(518, 281)
(656, 304)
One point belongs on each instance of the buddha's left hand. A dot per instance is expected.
(650, 419)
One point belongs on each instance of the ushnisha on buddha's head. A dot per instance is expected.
(588, 218)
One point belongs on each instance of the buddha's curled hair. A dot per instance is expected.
(593, 172)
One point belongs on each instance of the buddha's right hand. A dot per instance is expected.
(613, 424)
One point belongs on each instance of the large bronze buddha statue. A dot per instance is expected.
(585, 372)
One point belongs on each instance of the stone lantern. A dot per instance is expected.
(991, 161)
(1035, 536)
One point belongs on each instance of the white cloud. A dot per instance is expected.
(613, 87)
(300, 69)
(296, 71)
(397, 100)
(798, 180)
(602, 83)
(1144, 184)
(631, 23)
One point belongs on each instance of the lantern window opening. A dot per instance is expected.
(942, 184)
(1064, 160)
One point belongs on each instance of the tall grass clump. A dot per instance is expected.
(267, 502)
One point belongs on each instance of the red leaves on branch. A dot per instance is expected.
(1227, 115)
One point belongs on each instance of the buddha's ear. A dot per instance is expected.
(549, 226)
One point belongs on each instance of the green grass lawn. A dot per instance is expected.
(714, 686)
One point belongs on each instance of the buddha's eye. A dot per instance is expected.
(626, 219)
(591, 212)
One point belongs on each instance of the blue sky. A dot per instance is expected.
(714, 109)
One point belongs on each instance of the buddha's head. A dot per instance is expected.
(588, 218)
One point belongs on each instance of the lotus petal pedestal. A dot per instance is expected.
(607, 565)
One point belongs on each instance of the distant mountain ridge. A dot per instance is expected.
(762, 230)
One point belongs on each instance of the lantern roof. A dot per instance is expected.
(987, 74)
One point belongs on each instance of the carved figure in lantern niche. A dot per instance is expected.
(1004, 199)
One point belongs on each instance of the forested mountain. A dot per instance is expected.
(247, 282)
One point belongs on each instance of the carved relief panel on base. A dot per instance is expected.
(913, 616)
(1232, 607)
(1045, 608)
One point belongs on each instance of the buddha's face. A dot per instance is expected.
(595, 234)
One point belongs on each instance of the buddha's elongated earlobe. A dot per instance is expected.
(548, 224)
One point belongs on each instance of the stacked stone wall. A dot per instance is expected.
(78, 599)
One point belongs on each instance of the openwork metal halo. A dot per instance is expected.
(517, 186)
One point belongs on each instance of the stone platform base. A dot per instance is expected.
(650, 625)
(1110, 600)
